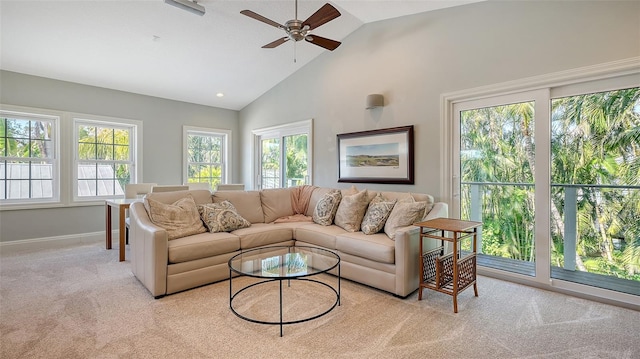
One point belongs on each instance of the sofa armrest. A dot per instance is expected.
(407, 248)
(149, 250)
(406, 256)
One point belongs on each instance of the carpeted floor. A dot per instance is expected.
(80, 302)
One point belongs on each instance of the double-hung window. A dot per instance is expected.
(206, 155)
(29, 163)
(105, 157)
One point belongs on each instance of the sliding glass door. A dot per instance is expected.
(284, 155)
(595, 198)
(497, 178)
(554, 176)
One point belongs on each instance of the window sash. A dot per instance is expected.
(113, 169)
(216, 158)
(28, 187)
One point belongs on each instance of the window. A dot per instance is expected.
(105, 157)
(29, 164)
(283, 155)
(206, 155)
(552, 174)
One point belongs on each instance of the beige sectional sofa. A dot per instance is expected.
(166, 266)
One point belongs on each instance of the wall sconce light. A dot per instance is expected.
(375, 100)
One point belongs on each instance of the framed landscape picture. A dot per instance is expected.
(376, 156)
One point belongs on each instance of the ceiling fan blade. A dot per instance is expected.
(258, 17)
(325, 14)
(273, 44)
(323, 42)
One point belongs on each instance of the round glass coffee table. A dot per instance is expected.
(283, 263)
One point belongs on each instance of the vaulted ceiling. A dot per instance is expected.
(151, 48)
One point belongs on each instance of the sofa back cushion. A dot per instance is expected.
(276, 203)
(247, 203)
(200, 196)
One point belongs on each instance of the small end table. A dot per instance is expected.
(448, 273)
(123, 206)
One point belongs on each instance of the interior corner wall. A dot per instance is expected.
(162, 144)
(413, 60)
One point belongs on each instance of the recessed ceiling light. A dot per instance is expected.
(220, 94)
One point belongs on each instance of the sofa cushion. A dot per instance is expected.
(377, 214)
(247, 203)
(179, 219)
(404, 213)
(200, 196)
(326, 208)
(263, 234)
(202, 246)
(351, 211)
(222, 217)
(377, 247)
(276, 203)
(319, 235)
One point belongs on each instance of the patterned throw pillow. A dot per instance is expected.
(351, 211)
(222, 217)
(404, 214)
(179, 219)
(377, 214)
(326, 208)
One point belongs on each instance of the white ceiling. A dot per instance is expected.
(152, 48)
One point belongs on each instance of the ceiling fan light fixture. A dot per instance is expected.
(191, 6)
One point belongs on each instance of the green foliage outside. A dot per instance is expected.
(296, 161)
(97, 144)
(25, 138)
(205, 159)
(595, 141)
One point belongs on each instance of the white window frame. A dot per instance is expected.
(135, 150)
(280, 131)
(38, 114)
(608, 76)
(226, 150)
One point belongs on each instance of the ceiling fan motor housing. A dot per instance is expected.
(295, 30)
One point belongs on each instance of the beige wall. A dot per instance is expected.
(414, 60)
(162, 143)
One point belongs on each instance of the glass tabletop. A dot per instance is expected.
(284, 262)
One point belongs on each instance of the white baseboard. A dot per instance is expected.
(53, 242)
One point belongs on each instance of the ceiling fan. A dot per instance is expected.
(298, 30)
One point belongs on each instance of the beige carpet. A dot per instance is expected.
(80, 302)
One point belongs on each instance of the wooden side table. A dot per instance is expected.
(448, 273)
(123, 206)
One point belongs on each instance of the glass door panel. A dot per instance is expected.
(270, 163)
(497, 170)
(595, 193)
(296, 150)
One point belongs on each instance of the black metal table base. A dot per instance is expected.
(282, 322)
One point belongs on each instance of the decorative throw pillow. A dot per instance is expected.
(222, 217)
(377, 214)
(179, 219)
(351, 211)
(404, 214)
(326, 208)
